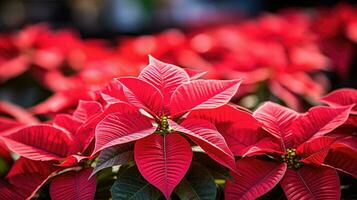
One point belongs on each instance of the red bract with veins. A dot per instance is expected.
(346, 145)
(159, 99)
(342, 97)
(297, 160)
(64, 143)
(34, 173)
(25, 178)
(240, 129)
(15, 119)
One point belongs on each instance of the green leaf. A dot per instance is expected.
(198, 184)
(103, 191)
(112, 156)
(131, 185)
(217, 170)
(4, 168)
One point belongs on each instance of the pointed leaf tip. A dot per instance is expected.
(73, 185)
(310, 182)
(257, 178)
(203, 94)
(205, 134)
(41, 142)
(120, 128)
(163, 160)
(319, 121)
(165, 77)
(342, 97)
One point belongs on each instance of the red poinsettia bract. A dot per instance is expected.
(158, 101)
(342, 97)
(15, 118)
(62, 144)
(342, 154)
(297, 160)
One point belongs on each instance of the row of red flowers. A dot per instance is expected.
(163, 118)
(278, 55)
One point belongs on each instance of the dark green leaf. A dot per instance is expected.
(131, 185)
(3, 167)
(217, 170)
(198, 184)
(112, 156)
(103, 188)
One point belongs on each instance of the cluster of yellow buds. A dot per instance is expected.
(163, 127)
(292, 159)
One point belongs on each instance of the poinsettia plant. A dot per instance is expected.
(155, 119)
(58, 150)
(104, 123)
(175, 136)
(296, 161)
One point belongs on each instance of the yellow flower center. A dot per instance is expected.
(292, 159)
(163, 126)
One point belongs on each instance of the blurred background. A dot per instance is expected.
(45, 36)
(108, 18)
